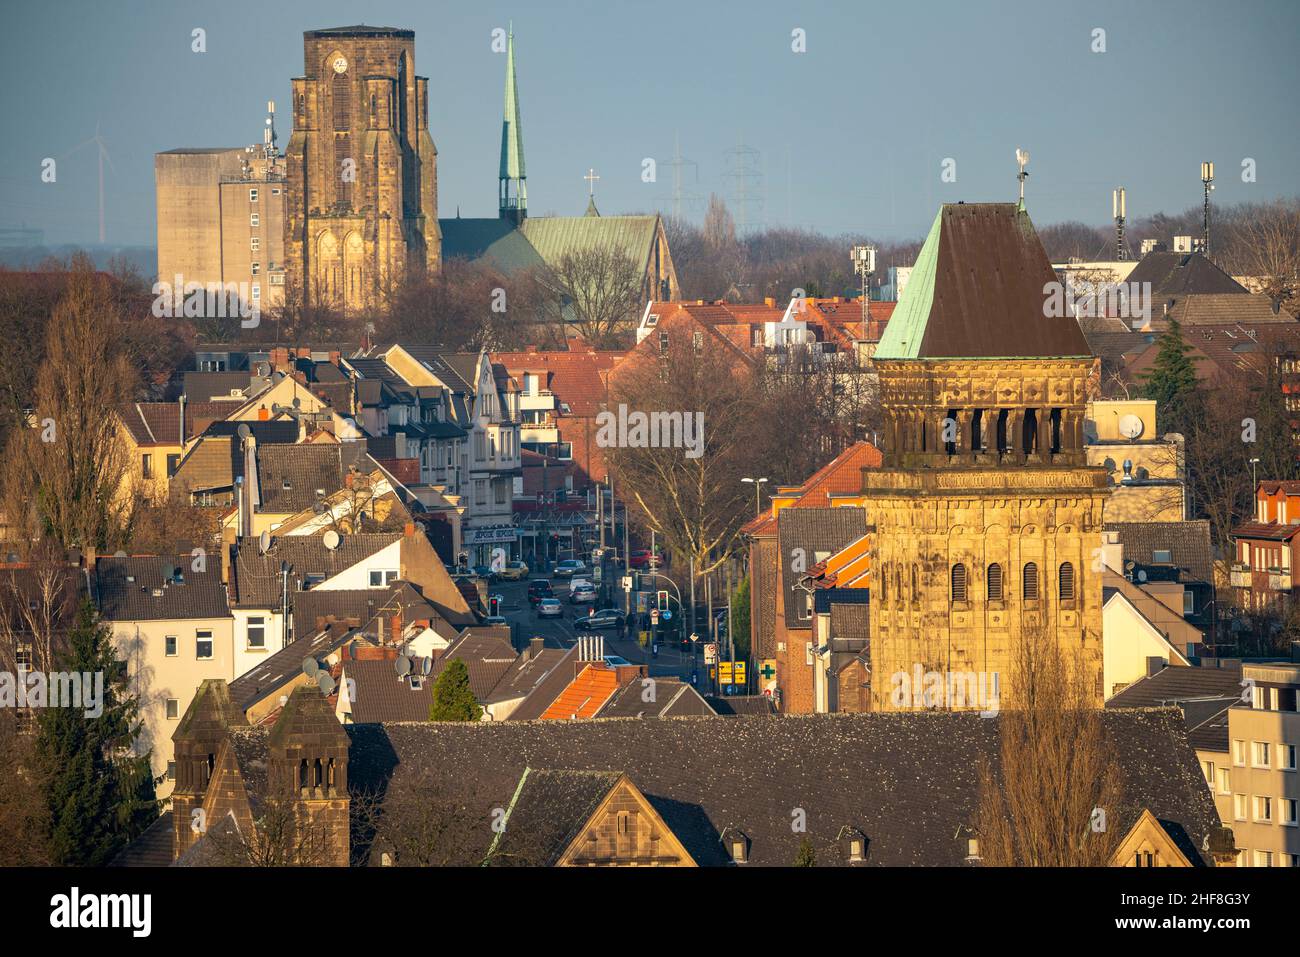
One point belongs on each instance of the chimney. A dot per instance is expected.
(263, 414)
(408, 529)
(1155, 665)
(395, 627)
(181, 404)
(535, 646)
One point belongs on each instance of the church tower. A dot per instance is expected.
(987, 517)
(362, 167)
(513, 181)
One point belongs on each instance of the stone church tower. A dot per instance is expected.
(987, 517)
(362, 167)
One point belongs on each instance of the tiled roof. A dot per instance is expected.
(1223, 308)
(574, 377)
(255, 577)
(906, 781)
(815, 530)
(205, 386)
(1176, 274)
(840, 476)
(487, 654)
(673, 698)
(1273, 486)
(585, 695)
(1203, 694)
(526, 673)
(1268, 531)
(158, 423)
(734, 705)
(134, 589)
(294, 477)
(153, 848)
(364, 605)
(546, 813)
(274, 673)
(850, 622)
(383, 695)
(549, 687)
(1188, 542)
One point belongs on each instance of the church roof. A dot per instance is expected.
(545, 240)
(977, 291)
(360, 30)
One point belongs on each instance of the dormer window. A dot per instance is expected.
(737, 845)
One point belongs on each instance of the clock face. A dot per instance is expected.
(340, 64)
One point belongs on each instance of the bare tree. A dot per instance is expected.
(38, 603)
(597, 292)
(1056, 792)
(282, 835)
(1268, 250)
(419, 823)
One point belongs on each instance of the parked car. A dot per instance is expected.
(496, 620)
(550, 608)
(640, 558)
(513, 572)
(485, 572)
(538, 589)
(582, 593)
(604, 618)
(569, 568)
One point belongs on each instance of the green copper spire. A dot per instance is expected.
(513, 202)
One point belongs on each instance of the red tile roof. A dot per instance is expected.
(585, 695)
(842, 475)
(577, 377)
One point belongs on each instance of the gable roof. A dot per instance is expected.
(545, 815)
(1173, 275)
(574, 376)
(282, 668)
(255, 580)
(134, 589)
(976, 291)
(158, 423)
(673, 698)
(814, 530)
(487, 655)
(1203, 694)
(384, 695)
(907, 782)
(1188, 543)
(585, 695)
(293, 477)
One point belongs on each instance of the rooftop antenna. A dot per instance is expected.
(1022, 160)
(103, 155)
(1118, 210)
(1207, 180)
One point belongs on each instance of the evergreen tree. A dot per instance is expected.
(1172, 382)
(807, 857)
(740, 619)
(98, 795)
(452, 698)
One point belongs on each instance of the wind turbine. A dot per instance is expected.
(98, 141)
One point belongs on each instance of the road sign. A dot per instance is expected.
(627, 583)
(710, 653)
(740, 672)
(695, 637)
(667, 613)
(654, 616)
(724, 672)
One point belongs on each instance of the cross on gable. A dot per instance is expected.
(591, 178)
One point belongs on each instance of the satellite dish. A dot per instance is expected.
(331, 539)
(403, 665)
(297, 402)
(264, 542)
(310, 667)
(244, 431)
(426, 666)
(325, 683)
(1130, 426)
(119, 554)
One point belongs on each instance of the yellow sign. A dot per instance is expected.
(724, 672)
(740, 673)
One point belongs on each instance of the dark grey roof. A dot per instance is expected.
(1203, 694)
(907, 781)
(383, 695)
(544, 691)
(126, 589)
(255, 578)
(205, 386)
(487, 654)
(275, 672)
(548, 810)
(524, 675)
(820, 533)
(364, 605)
(153, 848)
(1173, 275)
(294, 477)
(672, 698)
(1188, 541)
(732, 705)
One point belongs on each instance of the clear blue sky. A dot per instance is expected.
(850, 134)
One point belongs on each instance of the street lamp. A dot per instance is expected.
(757, 483)
(1254, 484)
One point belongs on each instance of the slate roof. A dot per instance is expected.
(733, 705)
(908, 782)
(153, 848)
(1173, 275)
(294, 477)
(158, 423)
(205, 386)
(365, 604)
(1203, 694)
(976, 291)
(546, 814)
(255, 578)
(548, 688)
(274, 673)
(201, 595)
(526, 673)
(814, 530)
(487, 656)
(1188, 542)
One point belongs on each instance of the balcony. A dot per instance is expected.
(1239, 576)
(1279, 579)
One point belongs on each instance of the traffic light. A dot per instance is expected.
(663, 599)
(636, 581)
(494, 605)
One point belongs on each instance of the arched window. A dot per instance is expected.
(1065, 582)
(916, 596)
(995, 582)
(1031, 582)
(958, 592)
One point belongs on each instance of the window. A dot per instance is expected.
(275, 191)
(257, 632)
(1259, 754)
(1225, 781)
(1189, 602)
(663, 343)
(1289, 811)
(1286, 757)
(1239, 806)
(257, 292)
(254, 268)
(172, 461)
(146, 466)
(255, 244)
(1239, 753)
(1065, 582)
(254, 220)
(171, 770)
(381, 577)
(500, 492)
(995, 582)
(1162, 556)
(1030, 582)
(173, 708)
(169, 646)
(1263, 858)
(480, 491)
(530, 383)
(203, 645)
(1263, 808)
(958, 582)
(252, 196)
(1207, 767)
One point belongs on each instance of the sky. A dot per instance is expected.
(850, 135)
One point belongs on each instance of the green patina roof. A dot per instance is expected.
(554, 236)
(512, 133)
(982, 288)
